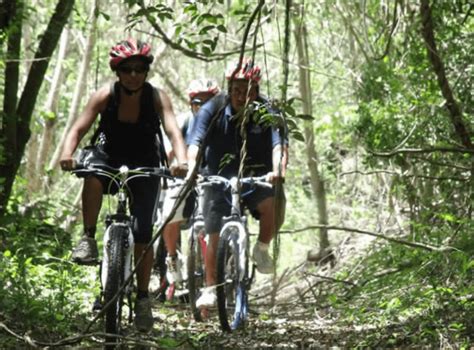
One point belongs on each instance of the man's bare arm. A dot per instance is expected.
(171, 128)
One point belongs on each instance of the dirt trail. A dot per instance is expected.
(295, 320)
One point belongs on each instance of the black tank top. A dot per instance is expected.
(133, 144)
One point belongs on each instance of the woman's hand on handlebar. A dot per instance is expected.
(67, 163)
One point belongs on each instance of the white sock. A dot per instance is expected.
(263, 246)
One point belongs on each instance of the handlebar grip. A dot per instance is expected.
(163, 171)
(79, 166)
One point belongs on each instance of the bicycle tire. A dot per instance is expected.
(231, 292)
(115, 278)
(195, 267)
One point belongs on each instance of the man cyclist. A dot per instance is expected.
(266, 154)
(130, 112)
(199, 92)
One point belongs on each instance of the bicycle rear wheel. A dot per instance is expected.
(231, 291)
(195, 266)
(115, 278)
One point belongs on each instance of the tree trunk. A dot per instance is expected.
(317, 183)
(79, 89)
(13, 21)
(51, 107)
(18, 130)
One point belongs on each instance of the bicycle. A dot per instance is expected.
(234, 275)
(116, 266)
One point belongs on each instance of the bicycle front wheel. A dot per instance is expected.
(195, 267)
(231, 291)
(115, 278)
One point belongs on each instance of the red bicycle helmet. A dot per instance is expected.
(129, 48)
(202, 85)
(248, 71)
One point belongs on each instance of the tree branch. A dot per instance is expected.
(332, 279)
(440, 178)
(442, 164)
(174, 45)
(455, 113)
(422, 150)
(348, 24)
(378, 235)
(392, 30)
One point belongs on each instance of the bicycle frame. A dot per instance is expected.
(239, 221)
(233, 254)
(120, 218)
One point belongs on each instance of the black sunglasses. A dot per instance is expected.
(130, 69)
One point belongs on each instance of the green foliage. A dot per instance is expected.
(413, 296)
(399, 95)
(199, 26)
(43, 292)
(401, 107)
(290, 118)
(360, 97)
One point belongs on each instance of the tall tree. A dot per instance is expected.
(12, 22)
(80, 86)
(317, 182)
(16, 126)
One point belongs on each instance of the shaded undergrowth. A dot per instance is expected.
(390, 296)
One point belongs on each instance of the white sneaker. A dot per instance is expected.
(207, 299)
(262, 259)
(173, 271)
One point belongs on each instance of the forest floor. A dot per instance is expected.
(284, 312)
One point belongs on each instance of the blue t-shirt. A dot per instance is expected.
(223, 144)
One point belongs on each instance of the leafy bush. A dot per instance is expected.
(43, 292)
(412, 296)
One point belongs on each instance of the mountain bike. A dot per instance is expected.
(234, 273)
(116, 266)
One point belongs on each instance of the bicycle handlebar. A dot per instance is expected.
(103, 169)
(208, 181)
